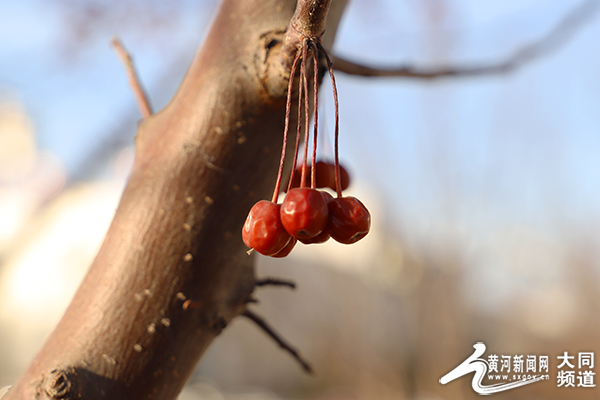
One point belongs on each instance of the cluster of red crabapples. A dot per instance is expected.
(306, 214)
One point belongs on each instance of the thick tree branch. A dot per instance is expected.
(551, 41)
(173, 270)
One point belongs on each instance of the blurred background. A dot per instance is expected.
(483, 190)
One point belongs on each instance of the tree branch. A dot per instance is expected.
(275, 282)
(309, 20)
(551, 41)
(261, 323)
(173, 270)
(140, 95)
(309, 17)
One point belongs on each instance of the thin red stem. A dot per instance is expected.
(306, 112)
(298, 132)
(288, 105)
(316, 112)
(338, 186)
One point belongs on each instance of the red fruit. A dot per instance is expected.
(325, 176)
(296, 180)
(349, 220)
(326, 196)
(263, 230)
(320, 238)
(344, 178)
(324, 235)
(286, 250)
(304, 213)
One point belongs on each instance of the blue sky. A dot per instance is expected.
(522, 145)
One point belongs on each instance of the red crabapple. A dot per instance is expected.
(286, 250)
(349, 220)
(324, 235)
(304, 213)
(307, 215)
(324, 176)
(263, 230)
(344, 178)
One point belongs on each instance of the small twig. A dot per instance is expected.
(528, 53)
(310, 17)
(280, 341)
(134, 82)
(308, 21)
(275, 282)
(191, 304)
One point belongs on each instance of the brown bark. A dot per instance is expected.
(173, 270)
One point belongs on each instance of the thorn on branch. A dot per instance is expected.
(275, 282)
(553, 39)
(278, 339)
(134, 82)
(191, 304)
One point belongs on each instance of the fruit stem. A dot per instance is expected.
(338, 186)
(306, 112)
(286, 127)
(316, 112)
(298, 132)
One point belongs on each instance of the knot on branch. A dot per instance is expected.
(60, 384)
(218, 323)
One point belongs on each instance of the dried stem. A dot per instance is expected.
(286, 128)
(134, 81)
(304, 83)
(275, 282)
(338, 185)
(278, 339)
(313, 47)
(298, 133)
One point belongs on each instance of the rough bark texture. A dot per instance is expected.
(173, 270)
